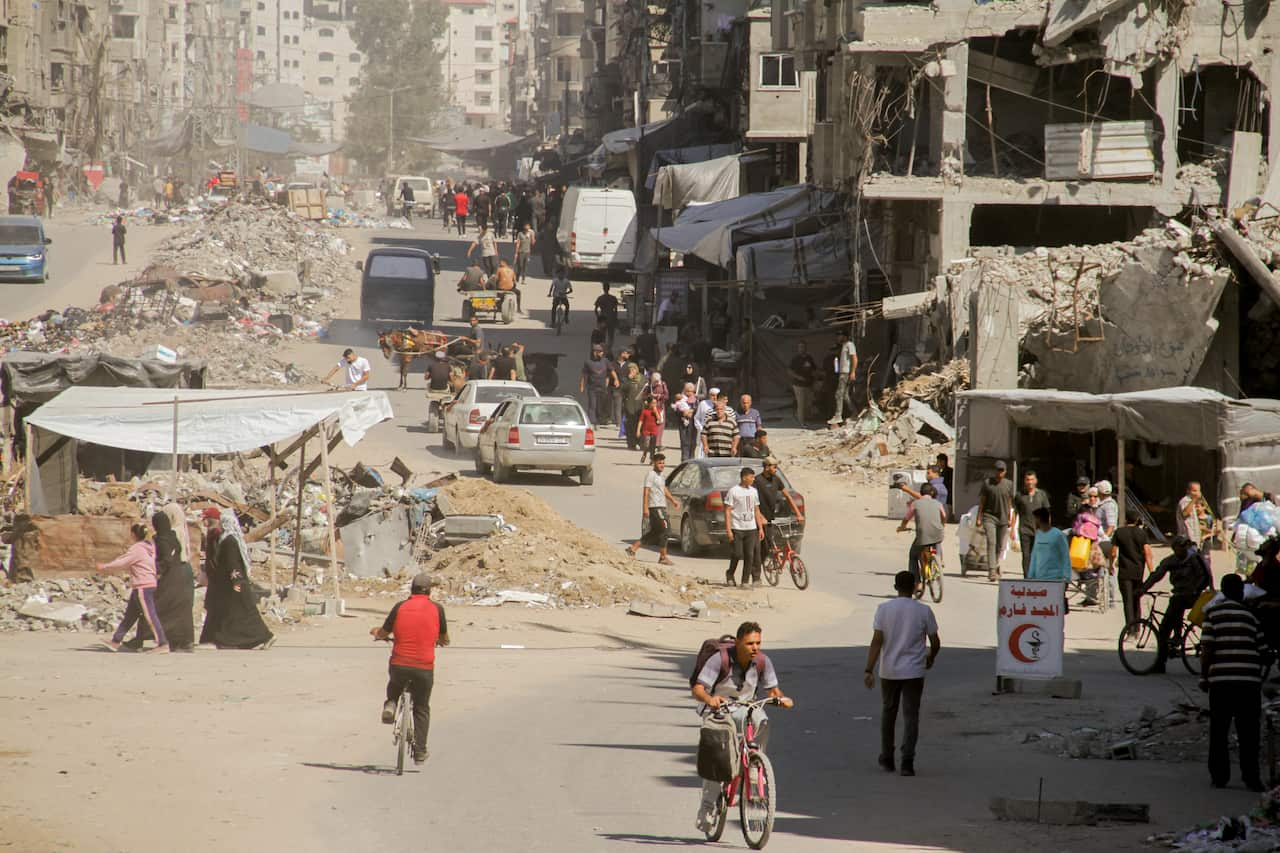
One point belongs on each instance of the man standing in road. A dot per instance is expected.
(1050, 552)
(802, 371)
(846, 366)
(700, 416)
(488, 246)
(607, 312)
(524, 242)
(749, 420)
(1231, 670)
(657, 497)
(118, 230)
(995, 509)
(357, 368)
(1130, 561)
(504, 366)
(744, 525)
(596, 380)
(900, 631)
(1195, 520)
(475, 338)
(416, 625)
(461, 204)
(720, 433)
(736, 677)
(931, 525)
(1078, 499)
(943, 466)
(1025, 503)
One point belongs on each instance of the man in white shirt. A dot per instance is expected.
(901, 629)
(357, 368)
(846, 366)
(744, 525)
(700, 415)
(654, 507)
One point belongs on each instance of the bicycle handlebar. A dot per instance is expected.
(730, 704)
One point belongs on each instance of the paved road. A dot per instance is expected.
(582, 741)
(80, 266)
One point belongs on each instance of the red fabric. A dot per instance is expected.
(648, 422)
(462, 202)
(416, 630)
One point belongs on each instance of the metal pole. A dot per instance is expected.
(1121, 480)
(328, 507)
(31, 462)
(275, 511)
(173, 482)
(391, 122)
(297, 524)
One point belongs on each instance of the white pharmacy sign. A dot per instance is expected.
(1030, 628)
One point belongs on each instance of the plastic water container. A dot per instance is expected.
(898, 499)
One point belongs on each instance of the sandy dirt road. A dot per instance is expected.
(582, 740)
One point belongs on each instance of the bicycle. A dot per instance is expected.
(560, 313)
(782, 555)
(1139, 643)
(930, 573)
(757, 796)
(402, 728)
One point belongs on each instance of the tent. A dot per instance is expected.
(679, 185)
(689, 154)
(1244, 433)
(204, 420)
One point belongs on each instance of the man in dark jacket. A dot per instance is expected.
(1189, 575)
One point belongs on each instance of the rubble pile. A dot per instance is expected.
(1256, 832)
(1180, 734)
(548, 558)
(910, 418)
(70, 604)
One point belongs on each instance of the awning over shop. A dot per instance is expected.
(713, 231)
(208, 420)
(265, 140)
(823, 257)
(680, 185)
(32, 378)
(622, 141)
(691, 154)
(469, 139)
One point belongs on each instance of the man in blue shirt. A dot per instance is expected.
(749, 420)
(1050, 552)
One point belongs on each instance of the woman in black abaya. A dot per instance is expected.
(242, 626)
(175, 585)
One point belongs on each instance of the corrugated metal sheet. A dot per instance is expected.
(1105, 150)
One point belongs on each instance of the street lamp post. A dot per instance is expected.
(391, 118)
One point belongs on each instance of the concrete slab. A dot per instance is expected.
(1057, 688)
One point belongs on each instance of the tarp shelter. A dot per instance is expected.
(278, 96)
(823, 257)
(680, 185)
(1245, 434)
(468, 139)
(689, 154)
(713, 231)
(28, 379)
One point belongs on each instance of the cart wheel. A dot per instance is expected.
(509, 310)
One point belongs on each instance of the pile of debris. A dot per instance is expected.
(1181, 734)
(1256, 832)
(904, 423)
(69, 604)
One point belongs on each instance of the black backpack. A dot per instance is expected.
(722, 646)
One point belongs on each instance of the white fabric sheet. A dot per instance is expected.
(209, 420)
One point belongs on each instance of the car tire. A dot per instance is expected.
(688, 545)
(587, 476)
(501, 473)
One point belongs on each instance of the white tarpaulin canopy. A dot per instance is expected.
(683, 184)
(622, 141)
(209, 420)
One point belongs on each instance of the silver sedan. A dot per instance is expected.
(537, 433)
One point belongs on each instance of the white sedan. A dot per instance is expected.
(466, 413)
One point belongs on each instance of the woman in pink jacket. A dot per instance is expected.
(140, 560)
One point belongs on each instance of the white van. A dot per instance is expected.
(424, 194)
(598, 229)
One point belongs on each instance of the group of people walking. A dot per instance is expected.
(162, 585)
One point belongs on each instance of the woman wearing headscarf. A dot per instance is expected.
(242, 626)
(140, 561)
(217, 592)
(175, 588)
(658, 391)
(634, 391)
(691, 376)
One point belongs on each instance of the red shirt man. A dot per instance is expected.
(463, 201)
(417, 626)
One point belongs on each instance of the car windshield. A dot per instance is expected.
(398, 266)
(726, 476)
(552, 414)
(20, 235)
(498, 393)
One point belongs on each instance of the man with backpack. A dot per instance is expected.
(733, 669)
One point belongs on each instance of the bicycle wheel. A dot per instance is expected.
(935, 580)
(799, 574)
(759, 799)
(403, 728)
(772, 569)
(719, 818)
(1191, 648)
(1140, 646)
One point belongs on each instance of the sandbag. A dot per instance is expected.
(718, 748)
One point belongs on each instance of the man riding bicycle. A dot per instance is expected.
(749, 671)
(1189, 575)
(559, 292)
(417, 625)
(931, 520)
(774, 500)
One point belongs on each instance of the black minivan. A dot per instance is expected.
(398, 285)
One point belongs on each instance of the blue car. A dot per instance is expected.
(24, 253)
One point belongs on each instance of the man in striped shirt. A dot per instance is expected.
(1231, 670)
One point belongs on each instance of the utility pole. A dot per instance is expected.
(391, 120)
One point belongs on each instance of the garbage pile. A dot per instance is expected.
(910, 418)
(1255, 832)
(1180, 734)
